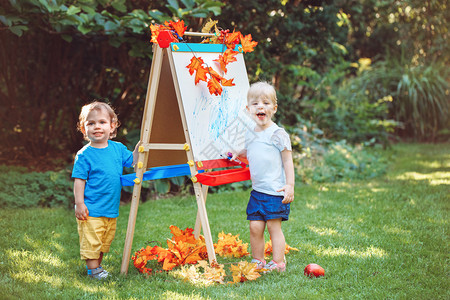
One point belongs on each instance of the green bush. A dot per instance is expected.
(347, 106)
(21, 188)
(422, 100)
(317, 159)
(420, 96)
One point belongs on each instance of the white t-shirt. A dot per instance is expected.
(264, 158)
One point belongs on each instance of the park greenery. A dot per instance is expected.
(356, 70)
(355, 80)
(384, 238)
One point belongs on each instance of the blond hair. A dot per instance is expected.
(96, 105)
(262, 90)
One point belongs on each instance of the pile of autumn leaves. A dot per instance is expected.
(190, 254)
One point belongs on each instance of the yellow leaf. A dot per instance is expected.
(210, 24)
(244, 271)
(229, 245)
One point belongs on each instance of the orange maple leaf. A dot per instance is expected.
(268, 248)
(168, 265)
(247, 44)
(214, 74)
(182, 249)
(227, 57)
(227, 82)
(182, 235)
(140, 262)
(178, 27)
(231, 39)
(196, 66)
(214, 86)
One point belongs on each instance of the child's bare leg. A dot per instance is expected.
(100, 258)
(94, 263)
(278, 240)
(257, 239)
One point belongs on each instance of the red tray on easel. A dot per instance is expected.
(223, 176)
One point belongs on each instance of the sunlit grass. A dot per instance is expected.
(435, 178)
(386, 238)
(323, 230)
(367, 252)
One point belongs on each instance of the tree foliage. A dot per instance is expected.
(306, 48)
(415, 29)
(58, 55)
(294, 38)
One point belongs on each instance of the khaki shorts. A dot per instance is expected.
(96, 235)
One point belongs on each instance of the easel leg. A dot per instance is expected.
(198, 222)
(132, 219)
(204, 221)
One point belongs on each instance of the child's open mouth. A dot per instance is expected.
(261, 115)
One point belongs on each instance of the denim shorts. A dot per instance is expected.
(263, 207)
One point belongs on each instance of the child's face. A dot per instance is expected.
(98, 127)
(261, 110)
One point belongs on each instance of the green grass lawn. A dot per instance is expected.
(384, 238)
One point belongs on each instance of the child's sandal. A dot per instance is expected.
(98, 273)
(273, 266)
(260, 264)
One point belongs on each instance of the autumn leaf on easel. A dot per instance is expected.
(196, 66)
(227, 82)
(231, 39)
(214, 86)
(247, 44)
(179, 27)
(227, 57)
(207, 28)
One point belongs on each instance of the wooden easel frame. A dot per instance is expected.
(146, 129)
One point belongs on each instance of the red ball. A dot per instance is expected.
(314, 270)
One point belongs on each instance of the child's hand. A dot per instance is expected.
(137, 145)
(136, 153)
(81, 212)
(231, 156)
(288, 193)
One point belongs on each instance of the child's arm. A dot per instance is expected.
(288, 164)
(81, 211)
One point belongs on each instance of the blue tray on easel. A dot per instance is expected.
(158, 173)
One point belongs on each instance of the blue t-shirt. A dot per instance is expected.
(264, 157)
(102, 168)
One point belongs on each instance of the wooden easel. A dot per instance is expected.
(168, 146)
(146, 130)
